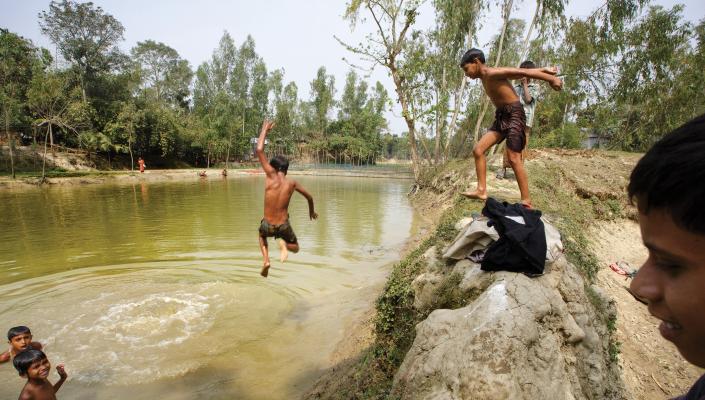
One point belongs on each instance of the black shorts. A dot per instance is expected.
(282, 231)
(510, 122)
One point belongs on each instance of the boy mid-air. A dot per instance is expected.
(277, 194)
(510, 120)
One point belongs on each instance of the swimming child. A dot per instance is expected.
(277, 194)
(510, 120)
(20, 339)
(34, 365)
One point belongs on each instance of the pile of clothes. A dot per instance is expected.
(507, 237)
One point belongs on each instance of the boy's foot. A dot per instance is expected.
(265, 270)
(475, 195)
(283, 251)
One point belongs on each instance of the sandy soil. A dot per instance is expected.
(651, 367)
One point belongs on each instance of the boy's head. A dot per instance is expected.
(527, 64)
(32, 364)
(280, 164)
(667, 186)
(471, 62)
(19, 337)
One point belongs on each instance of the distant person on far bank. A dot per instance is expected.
(510, 119)
(278, 190)
(667, 187)
(527, 92)
(141, 164)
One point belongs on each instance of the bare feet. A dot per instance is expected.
(283, 251)
(479, 195)
(265, 270)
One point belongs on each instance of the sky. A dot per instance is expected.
(297, 36)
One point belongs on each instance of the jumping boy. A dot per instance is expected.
(277, 194)
(34, 365)
(667, 187)
(510, 120)
(20, 339)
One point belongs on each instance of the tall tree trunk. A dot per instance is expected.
(129, 148)
(45, 152)
(437, 144)
(9, 139)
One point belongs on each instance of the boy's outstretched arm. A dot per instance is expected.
(311, 213)
(533, 73)
(266, 127)
(62, 377)
(4, 357)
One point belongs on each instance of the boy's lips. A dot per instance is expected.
(670, 330)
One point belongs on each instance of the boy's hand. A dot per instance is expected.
(556, 83)
(550, 70)
(62, 372)
(267, 125)
(313, 215)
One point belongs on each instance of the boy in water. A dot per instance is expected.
(667, 187)
(527, 91)
(277, 194)
(34, 365)
(20, 339)
(510, 120)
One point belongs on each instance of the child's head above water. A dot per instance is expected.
(280, 164)
(19, 337)
(667, 186)
(32, 364)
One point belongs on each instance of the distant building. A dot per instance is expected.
(593, 140)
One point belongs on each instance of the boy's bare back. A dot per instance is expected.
(277, 195)
(495, 80)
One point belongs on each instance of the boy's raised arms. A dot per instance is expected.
(544, 74)
(266, 127)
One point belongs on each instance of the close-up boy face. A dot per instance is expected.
(21, 342)
(39, 369)
(472, 69)
(672, 281)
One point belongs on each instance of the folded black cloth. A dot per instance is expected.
(522, 241)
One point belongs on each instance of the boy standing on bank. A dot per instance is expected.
(510, 120)
(527, 92)
(277, 194)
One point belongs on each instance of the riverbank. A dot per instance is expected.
(583, 194)
(164, 175)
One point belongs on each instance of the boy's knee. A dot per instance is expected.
(514, 158)
(477, 151)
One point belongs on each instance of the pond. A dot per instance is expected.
(153, 289)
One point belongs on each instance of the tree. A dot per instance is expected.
(322, 92)
(388, 46)
(18, 60)
(85, 35)
(162, 72)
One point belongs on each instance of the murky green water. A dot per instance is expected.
(153, 290)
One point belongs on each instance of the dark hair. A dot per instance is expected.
(280, 163)
(527, 64)
(24, 359)
(471, 55)
(670, 176)
(17, 330)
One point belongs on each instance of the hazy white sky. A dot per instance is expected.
(289, 34)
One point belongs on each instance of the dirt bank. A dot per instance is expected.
(583, 192)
